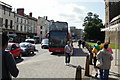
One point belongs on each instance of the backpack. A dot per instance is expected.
(97, 47)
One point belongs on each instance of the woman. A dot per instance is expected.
(105, 58)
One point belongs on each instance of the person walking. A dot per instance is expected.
(109, 48)
(83, 43)
(9, 67)
(95, 50)
(105, 58)
(79, 43)
(67, 52)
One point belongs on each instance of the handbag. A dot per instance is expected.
(99, 63)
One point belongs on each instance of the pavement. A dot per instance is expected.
(53, 66)
(115, 67)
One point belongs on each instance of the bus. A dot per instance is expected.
(58, 36)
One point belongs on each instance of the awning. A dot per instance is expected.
(13, 35)
(115, 27)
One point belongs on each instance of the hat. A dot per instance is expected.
(106, 43)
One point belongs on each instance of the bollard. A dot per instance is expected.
(78, 73)
(87, 66)
(91, 57)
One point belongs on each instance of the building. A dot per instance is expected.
(42, 27)
(75, 33)
(112, 10)
(25, 25)
(7, 18)
(21, 25)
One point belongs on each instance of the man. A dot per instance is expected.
(105, 57)
(68, 50)
(95, 50)
(79, 43)
(8, 63)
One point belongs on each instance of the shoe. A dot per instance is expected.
(96, 74)
(66, 64)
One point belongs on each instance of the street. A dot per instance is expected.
(44, 64)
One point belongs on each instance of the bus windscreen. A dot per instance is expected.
(58, 39)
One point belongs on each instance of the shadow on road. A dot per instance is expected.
(114, 74)
(30, 55)
(76, 52)
(19, 60)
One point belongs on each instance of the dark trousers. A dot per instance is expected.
(94, 61)
(67, 58)
(104, 73)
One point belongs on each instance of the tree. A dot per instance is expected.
(92, 25)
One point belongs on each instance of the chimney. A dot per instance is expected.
(20, 11)
(30, 14)
(46, 17)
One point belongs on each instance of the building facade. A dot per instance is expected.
(7, 18)
(42, 27)
(76, 33)
(112, 10)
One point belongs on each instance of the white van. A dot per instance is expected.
(32, 41)
(44, 44)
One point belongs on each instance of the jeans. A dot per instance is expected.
(95, 60)
(67, 58)
(104, 73)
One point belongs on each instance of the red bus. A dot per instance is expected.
(58, 36)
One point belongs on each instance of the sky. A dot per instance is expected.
(71, 11)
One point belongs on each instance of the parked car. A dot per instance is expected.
(15, 49)
(44, 44)
(32, 41)
(27, 48)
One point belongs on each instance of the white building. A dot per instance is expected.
(7, 18)
(42, 27)
(25, 25)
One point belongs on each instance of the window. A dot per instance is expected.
(1, 22)
(11, 23)
(21, 28)
(21, 20)
(25, 29)
(4, 10)
(17, 19)
(17, 27)
(6, 23)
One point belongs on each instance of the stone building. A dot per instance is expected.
(18, 25)
(42, 27)
(112, 10)
(7, 18)
(25, 25)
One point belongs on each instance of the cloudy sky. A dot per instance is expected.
(72, 11)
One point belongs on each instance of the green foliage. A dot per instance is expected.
(111, 45)
(92, 25)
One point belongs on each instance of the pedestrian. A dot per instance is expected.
(95, 50)
(67, 52)
(83, 43)
(105, 57)
(79, 43)
(9, 67)
(109, 48)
